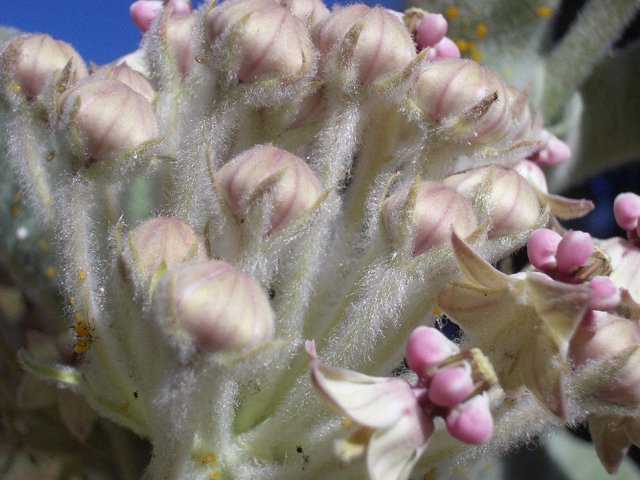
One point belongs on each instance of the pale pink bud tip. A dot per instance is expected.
(444, 49)
(573, 251)
(554, 153)
(426, 348)
(471, 422)
(430, 30)
(143, 13)
(606, 296)
(542, 247)
(451, 386)
(180, 7)
(626, 209)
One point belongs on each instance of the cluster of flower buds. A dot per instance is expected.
(454, 383)
(451, 384)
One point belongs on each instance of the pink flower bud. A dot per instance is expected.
(451, 386)
(626, 209)
(533, 174)
(469, 98)
(38, 56)
(272, 174)
(437, 210)
(606, 296)
(111, 119)
(303, 8)
(444, 49)
(144, 12)
(430, 30)
(131, 78)
(213, 306)
(471, 422)
(513, 205)
(384, 46)
(524, 127)
(551, 151)
(159, 240)
(542, 247)
(272, 43)
(610, 337)
(574, 251)
(180, 40)
(426, 348)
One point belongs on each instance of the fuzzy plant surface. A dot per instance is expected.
(233, 253)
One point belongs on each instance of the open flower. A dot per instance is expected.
(396, 430)
(523, 321)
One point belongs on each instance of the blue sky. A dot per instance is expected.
(101, 30)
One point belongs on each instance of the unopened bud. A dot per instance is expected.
(610, 337)
(180, 40)
(574, 251)
(144, 12)
(513, 204)
(383, 46)
(542, 247)
(303, 8)
(277, 180)
(471, 422)
(468, 99)
(551, 150)
(626, 209)
(436, 211)
(427, 347)
(272, 43)
(159, 243)
(431, 30)
(444, 49)
(38, 56)
(130, 77)
(213, 306)
(106, 118)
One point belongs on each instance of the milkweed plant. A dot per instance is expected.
(276, 242)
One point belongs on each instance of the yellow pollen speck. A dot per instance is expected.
(211, 457)
(125, 405)
(43, 245)
(507, 72)
(481, 30)
(214, 475)
(196, 457)
(61, 89)
(78, 317)
(14, 210)
(544, 12)
(17, 197)
(49, 271)
(50, 199)
(477, 10)
(83, 274)
(436, 311)
(462, 44)
(430, 474)
(345, 422)
(16, 88)
(451, 12)
(72, 301)
(476, 56)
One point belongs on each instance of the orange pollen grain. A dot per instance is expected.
(451, 12)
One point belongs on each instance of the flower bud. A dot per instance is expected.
(265, 172)
(606, 296)
(430, 30)
(471, 422)
(38, 57)
(542, 247)
(466, 97)
(179, 30)
(626, 209)
(437, 210)
(513, 204)
(533, 174)
(611, 336)
(143, 12)
(159, 240)
(444, 49)
(524, 127)
(272, 42)
(127, 75)
(383, 47)
(551, 150)
(574, 251)
(451, 386)
(303, 8)
(426, 348)
(111, 119)
(213, 306)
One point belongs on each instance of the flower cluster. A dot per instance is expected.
(260, 173)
